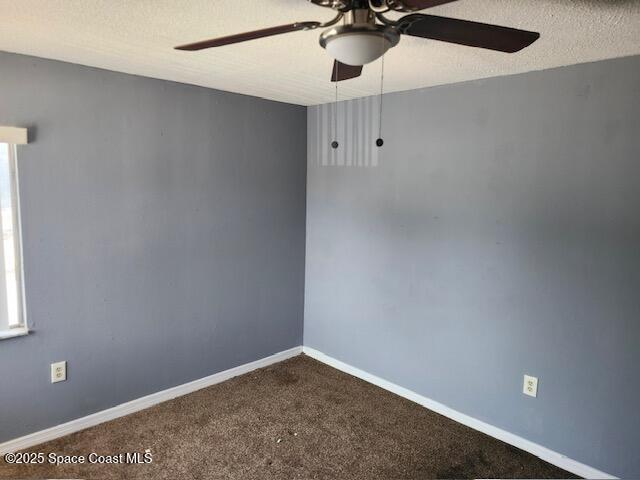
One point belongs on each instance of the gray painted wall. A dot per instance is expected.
(163, 230)
(497, 233)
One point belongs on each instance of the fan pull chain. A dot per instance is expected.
(335, 143)
(380, 141)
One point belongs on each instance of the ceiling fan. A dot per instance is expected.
(366, 34)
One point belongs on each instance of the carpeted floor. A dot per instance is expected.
(296, 419)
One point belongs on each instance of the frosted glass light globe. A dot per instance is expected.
(358, 48)
(359, 44)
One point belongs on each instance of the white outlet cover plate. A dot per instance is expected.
(530, 386)
(58, 372)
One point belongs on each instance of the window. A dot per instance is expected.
(12, 320)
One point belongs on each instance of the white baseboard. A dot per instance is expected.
(127, 408)
(140, 403)
(544, 453)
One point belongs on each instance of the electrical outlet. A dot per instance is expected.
(530, 386)
(58, 372)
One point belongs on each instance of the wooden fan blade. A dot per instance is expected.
(412, 5)
(243, 37)
(342, 71)
(464, 32)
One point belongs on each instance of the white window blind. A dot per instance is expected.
(13, 135)
(11, 305)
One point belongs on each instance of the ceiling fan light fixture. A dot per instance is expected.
(358, 45)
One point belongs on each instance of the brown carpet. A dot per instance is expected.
(296, 419)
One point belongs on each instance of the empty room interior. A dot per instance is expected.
(328, 239)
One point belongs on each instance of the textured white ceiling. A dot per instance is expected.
(137, 36)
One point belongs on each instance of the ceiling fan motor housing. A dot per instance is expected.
(359, 40)
(375, 5)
